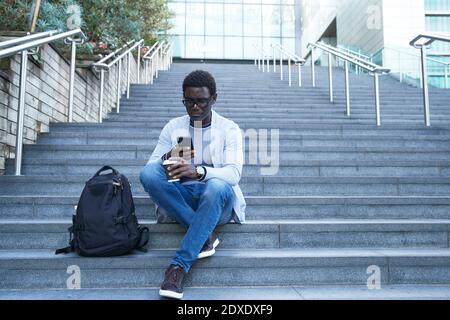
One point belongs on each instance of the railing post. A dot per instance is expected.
(281, 65)
(263, 65)
(21, 111)
(330, 77)
(347, 88)
(446, 77)
(158, 61)
(119, 76)
(146, 71)
(72, 77)
(259, 61)
(299, 74)
(274, 61)
(128, 75)
(426, 100)
(139, 65)
(100, 100)
(313, 68)
(152, 70)
(289, 69)
(358, 70)
(377, 99)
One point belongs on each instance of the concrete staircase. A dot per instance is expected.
(348, 195)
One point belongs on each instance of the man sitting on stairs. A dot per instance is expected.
(207, 194)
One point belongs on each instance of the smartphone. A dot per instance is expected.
(185, 142)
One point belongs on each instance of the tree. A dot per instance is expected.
(112, 23)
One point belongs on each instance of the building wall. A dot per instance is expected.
(360, 25)
(46, 98)
(402, 21)
(316, 17)
(229, 29)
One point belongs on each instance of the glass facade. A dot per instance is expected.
(229, 29)
(437, 19)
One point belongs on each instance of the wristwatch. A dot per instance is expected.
(201, 172)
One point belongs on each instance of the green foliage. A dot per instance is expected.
(111, 22)
(14, 14)
(55, 15)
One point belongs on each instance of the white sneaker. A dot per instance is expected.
(209, 247)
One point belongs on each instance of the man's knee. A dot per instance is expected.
(150, 174)
(217, 187)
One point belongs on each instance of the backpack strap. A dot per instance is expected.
(105, 168)
(65, 250)
(70, 248)
(143, 238)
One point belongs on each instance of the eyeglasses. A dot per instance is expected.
(202, 102)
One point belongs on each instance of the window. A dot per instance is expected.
(228, 29)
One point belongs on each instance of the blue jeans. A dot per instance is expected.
(200, 207)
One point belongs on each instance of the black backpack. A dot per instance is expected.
(105, 223)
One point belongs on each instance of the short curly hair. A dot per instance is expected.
(199, 79)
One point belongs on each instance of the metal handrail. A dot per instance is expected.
(22, 46)
(358, 54)
(28, 37)
(114, 53)
(40, 42)
(298, 61)
(446, 65)
(146, 62)
(166, 54)
(105, 67)
(430, 38)
(376, 70)
(367, 65)
(155, 62)
(261, 60)
(150, 50)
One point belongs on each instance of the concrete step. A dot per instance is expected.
(36, 150)
(136, 118)
(326, 128)
(306, 168)
(391, 292)
(280, 123)
(284, 137)
(100, 138)
(33, 269)
(56, 207)
(263, 186)
(80, 152)
(264, 234)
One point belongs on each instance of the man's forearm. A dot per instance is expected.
(230, 174)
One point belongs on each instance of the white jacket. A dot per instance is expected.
(226, 152)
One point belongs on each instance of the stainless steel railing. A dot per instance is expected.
(103, 67)
(284, 53)
(423, 42)
(372, 68)
(156, 59)
(22, 45)
(161, 55)
(262, 59)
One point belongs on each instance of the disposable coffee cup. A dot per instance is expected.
(166, 164)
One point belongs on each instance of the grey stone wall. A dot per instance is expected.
(47, 95)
